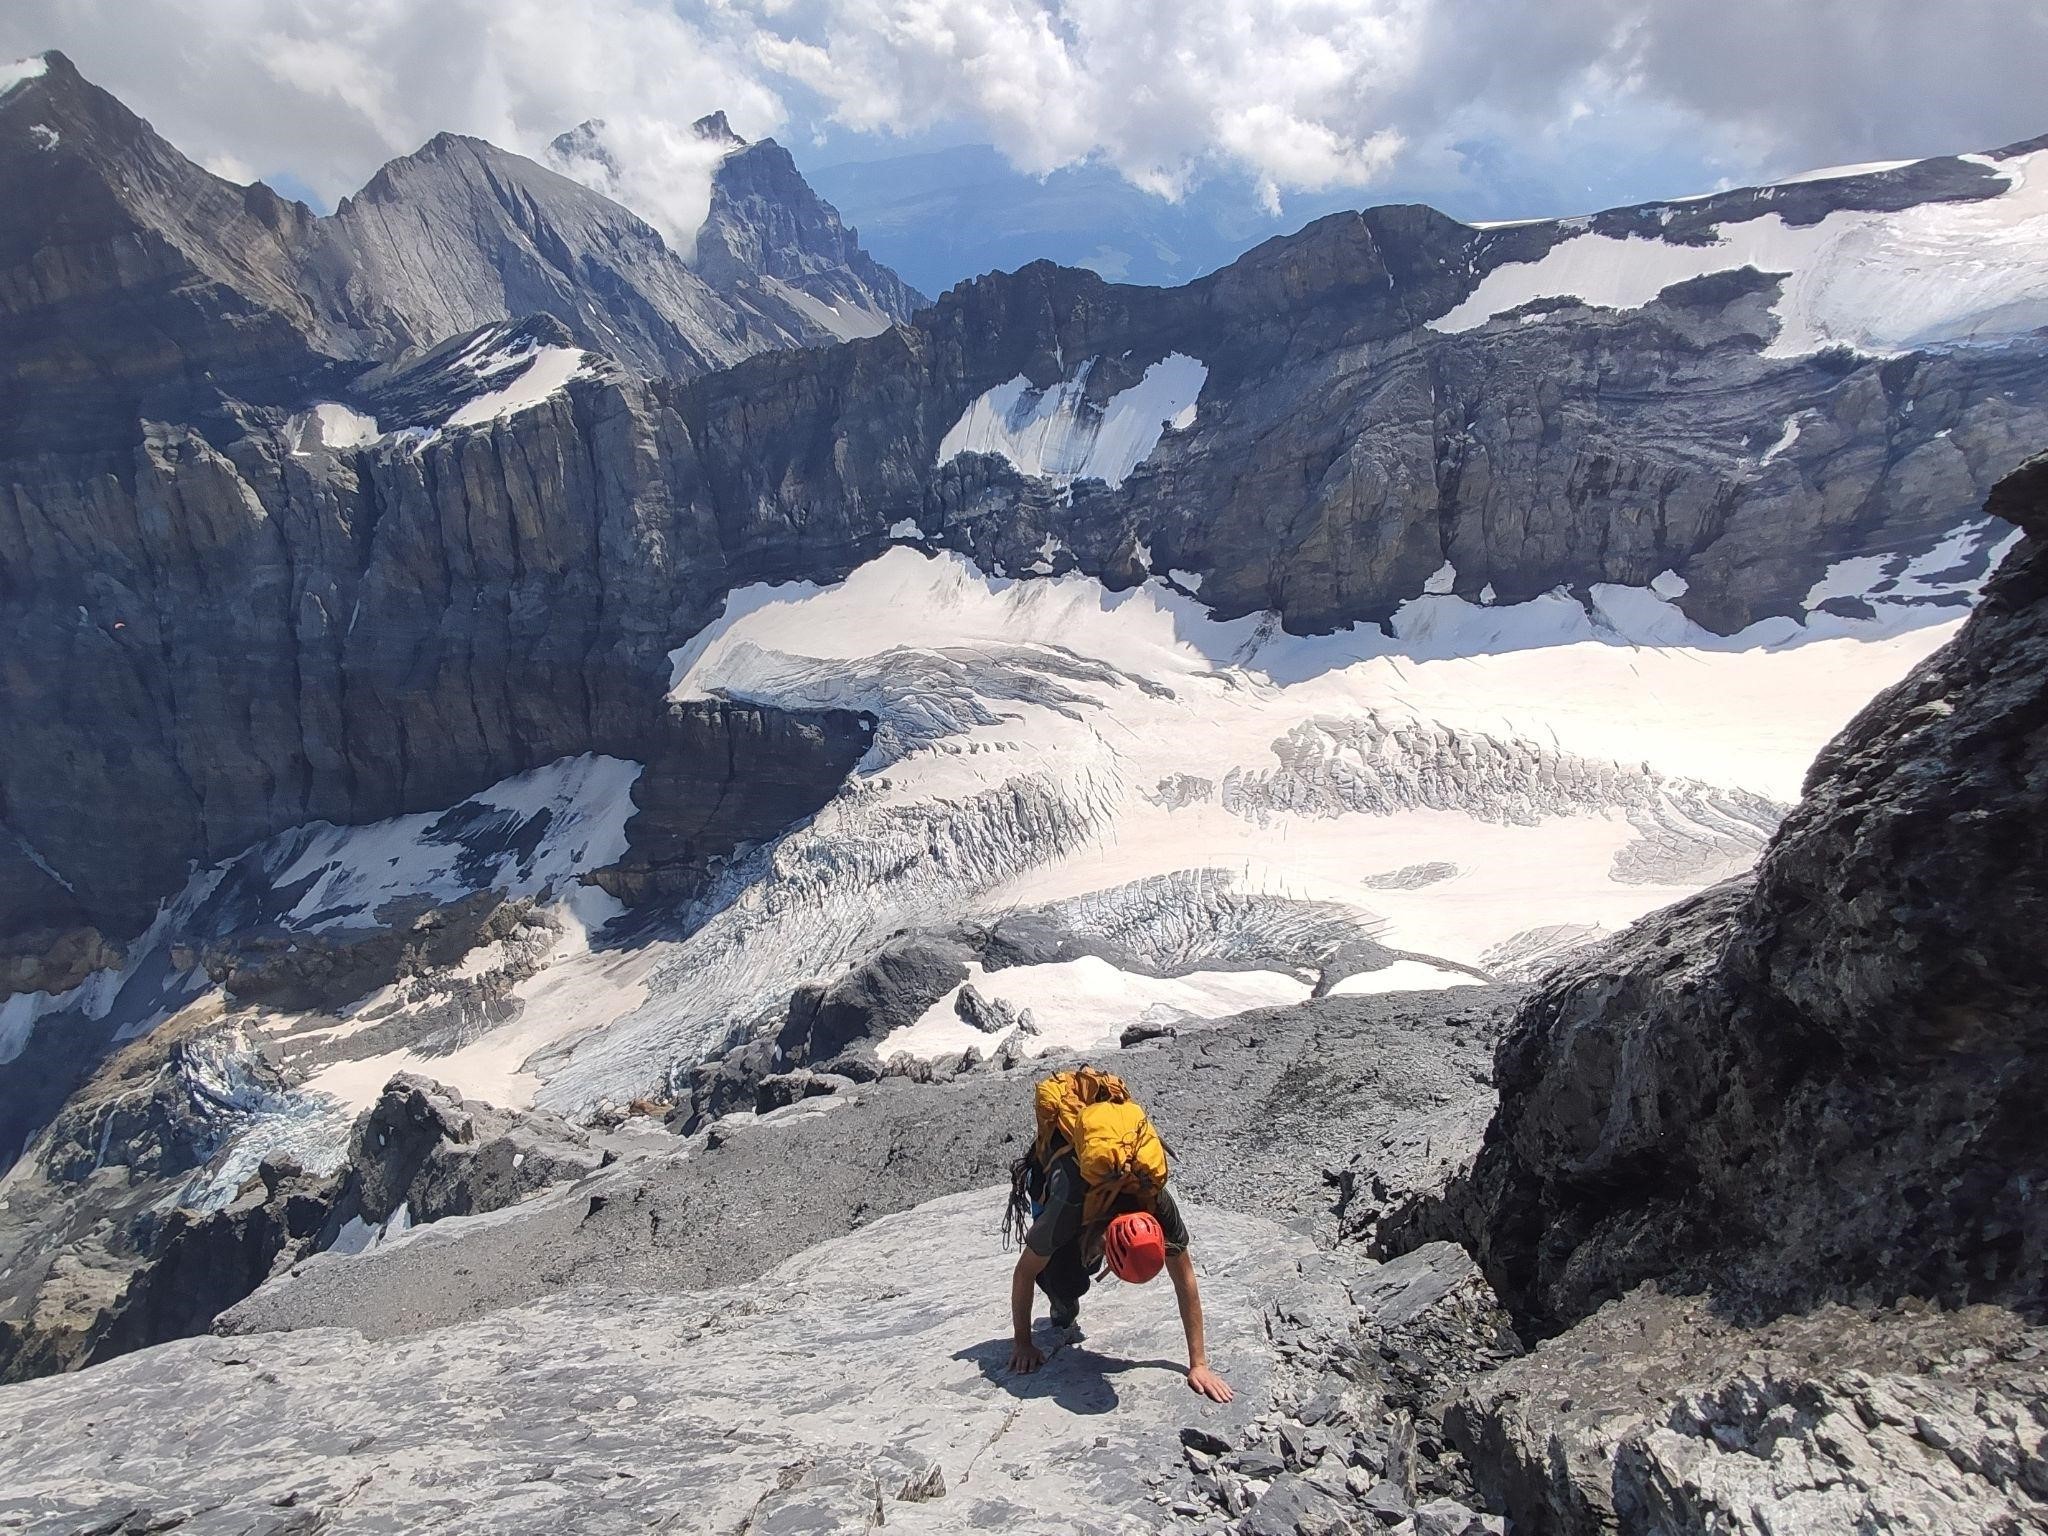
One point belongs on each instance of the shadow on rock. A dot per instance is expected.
(1075, 1377)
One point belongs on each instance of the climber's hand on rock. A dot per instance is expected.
(1026, 1357)
(1209, 1384)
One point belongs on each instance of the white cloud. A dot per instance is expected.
(1299, 95)
(327, 93)
(658, 167)
(1293, 93)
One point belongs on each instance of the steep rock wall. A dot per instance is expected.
(1822, 1081)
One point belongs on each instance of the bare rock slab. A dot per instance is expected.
(812, 1399)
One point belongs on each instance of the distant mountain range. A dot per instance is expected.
(154, 288)
(950, 214)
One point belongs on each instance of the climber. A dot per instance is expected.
(1093, 1189)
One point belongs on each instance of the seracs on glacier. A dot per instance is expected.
(1047, 742)
(1236, 816)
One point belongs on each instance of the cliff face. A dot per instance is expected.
(224, 635)
(1823, 1081)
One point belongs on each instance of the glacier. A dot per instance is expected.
(1046, 742)
(1938, 273)
(1216, 814)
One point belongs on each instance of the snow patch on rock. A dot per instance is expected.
(348, 873)
(548, 370)
(1084, 1005)
(1895, 585)
(1057, 434)
(331, 425)
(1785, 440)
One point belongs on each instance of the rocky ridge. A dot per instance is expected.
(145, 288)
(107, 1265)
(767, 238)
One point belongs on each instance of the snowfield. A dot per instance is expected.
(547, 371)
(1937, 274)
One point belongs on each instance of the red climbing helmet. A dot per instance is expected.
(1135, 1246)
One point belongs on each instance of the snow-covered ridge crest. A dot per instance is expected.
(1937, 273)
(1057, 434)
(542, 371)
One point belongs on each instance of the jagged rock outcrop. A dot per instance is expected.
(891, 989)
(422, 1148)
(770, 238)
(1821, 1081)
(1657, 1414)
(768, 244)
(115, 1260)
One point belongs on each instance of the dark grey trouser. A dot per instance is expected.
(1065, 1276)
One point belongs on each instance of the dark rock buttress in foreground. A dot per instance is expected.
(1825, 1080)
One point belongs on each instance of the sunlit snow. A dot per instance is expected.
(1085, 1004)
(331, 424)
(347, 873)
(549, 370)
(1934, 274)
(1402, 976)
(1057, 434)
(1837, 172)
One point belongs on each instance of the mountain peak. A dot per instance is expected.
(584, 144)
(714, 127)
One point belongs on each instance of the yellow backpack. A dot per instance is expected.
(1119, 1153)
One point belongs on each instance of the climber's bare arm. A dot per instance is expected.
(1181, 1266)
(1025, 1356)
